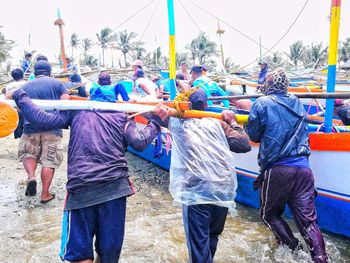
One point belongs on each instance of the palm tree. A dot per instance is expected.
(74, 43)
(202, 48)
(275, 60)
(344, 50)
(182, 57)
(126, 44)
(104, 38)
(315, 55)
(87, 44)
(5, 47)
(296, 51)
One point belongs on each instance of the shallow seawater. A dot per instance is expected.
(30, 232)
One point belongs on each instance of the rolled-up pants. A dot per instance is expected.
(293, 186)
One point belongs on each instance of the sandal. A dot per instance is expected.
(48, 200)
(31, 188)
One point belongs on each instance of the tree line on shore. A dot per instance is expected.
(200, 50)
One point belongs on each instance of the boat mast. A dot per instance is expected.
(59, 22)
(332, 62)
(172, 56)
(220, 32)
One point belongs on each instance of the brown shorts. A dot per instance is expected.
(44, 147)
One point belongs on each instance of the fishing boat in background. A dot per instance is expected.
(330, 151)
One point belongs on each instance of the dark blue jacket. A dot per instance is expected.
(262, 75)
(98, 140)
(278, 122)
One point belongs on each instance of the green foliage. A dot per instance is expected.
(296, 52)
(202, 48)
(6, 46)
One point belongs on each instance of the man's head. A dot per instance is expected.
(262, 64)
(140, 73)
(277, 81)
(42, 67)
(75, 78)
(180, 76)
(137, 64)
(17, 74)
(199, 100)
(28, 56)
(184, 65)
(104, 79)
(41, 57)
(196, 72)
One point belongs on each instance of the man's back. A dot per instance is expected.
(279, 123)
(43, 88)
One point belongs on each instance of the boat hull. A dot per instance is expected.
(331, 170)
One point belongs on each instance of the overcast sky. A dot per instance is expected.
(268, 19)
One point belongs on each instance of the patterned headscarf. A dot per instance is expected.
(277, 81)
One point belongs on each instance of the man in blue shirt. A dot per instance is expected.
(210, 87)
(26, 63)
(38, 145)
(278, 122)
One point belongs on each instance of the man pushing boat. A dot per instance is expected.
(98, 180)
(278, 122)
(202, 174)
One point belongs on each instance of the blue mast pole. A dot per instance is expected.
(332, 62)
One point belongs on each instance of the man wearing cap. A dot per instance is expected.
(98, 181)
(26, 63)
(202, 174)
(105, 91)
(75, 83)
(263, 72)
(278, 122)
(39, 145)
(210, 87)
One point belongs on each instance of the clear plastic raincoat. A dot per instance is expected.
(202, 166)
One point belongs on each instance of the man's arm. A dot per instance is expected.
(236, 137)
(139, 139)
(256, 126)
(38, 117)
(63, 91)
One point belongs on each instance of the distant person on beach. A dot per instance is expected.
(26, 63)
(184, 71)
(135, 65)
(210, 87)
(278, 122)
(17, 76)
(145, 86)
(98, 181)
(38, 58)
(39, 145)
(342, 108)
(202, 174)
(262, 74)
(106, 91)
(75, 83)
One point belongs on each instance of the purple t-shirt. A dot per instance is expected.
(43, 88)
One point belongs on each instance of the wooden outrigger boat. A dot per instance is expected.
(329, 159)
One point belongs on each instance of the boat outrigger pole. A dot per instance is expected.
(332, 62)
(172, 54)
(59, 22)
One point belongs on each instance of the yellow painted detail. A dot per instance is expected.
(172, 59)
(333, 42)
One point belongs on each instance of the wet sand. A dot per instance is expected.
(30, 231)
